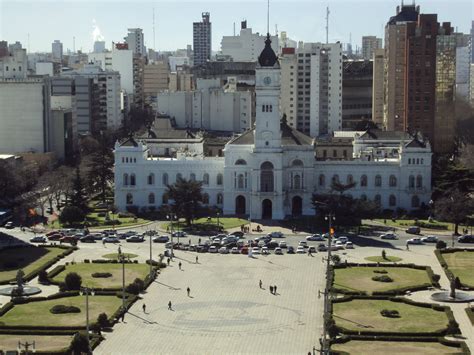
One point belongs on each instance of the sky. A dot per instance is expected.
(44, 21)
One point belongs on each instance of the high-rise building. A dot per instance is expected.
(315, 86)
(136, 42)
(472, 42)
(463, 65)
(369, 45)
(377, 88)
(247, 46)
(155, 80)
(57, 50)
(202, 37)
(99, 46)
(411, 78)
(472, 84)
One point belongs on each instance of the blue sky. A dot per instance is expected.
(303, 20)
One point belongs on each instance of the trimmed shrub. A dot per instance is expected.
(382, 278)
(73, 281)
(61, 309)
(435, 278)
(101, 274)
(381, 271)
(132, 288)
(441, 244)
(390, 313)
(453, 327)
(140, 284)
(43, 276)
(79, 344)
(103, 321)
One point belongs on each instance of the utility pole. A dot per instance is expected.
(327, 24)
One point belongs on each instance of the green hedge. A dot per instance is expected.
(439, 255)
(470, 314)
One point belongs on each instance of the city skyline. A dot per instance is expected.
(173, 27)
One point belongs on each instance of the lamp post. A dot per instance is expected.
(26, 345)
(86, 291)
(218, 224)
(121, 258)
(171, 217)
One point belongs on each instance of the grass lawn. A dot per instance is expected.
(38, 314)
(379, 259)
(359, 278)
(96, 221)
(360, 347)
(405, 223)
(365, 315)
(224, 222)
(26, 258)
(115, 255)
(132, 271)
(42, 342)
(461, 264)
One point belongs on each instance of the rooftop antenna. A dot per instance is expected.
(73, 44)
(28, 42)
(276, 29)
(268, 16)
(327, 24)
(234, 29)
(154, 44)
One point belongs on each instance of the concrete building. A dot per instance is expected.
(136, 41)
(181, 80)
(246, 47)
(99, 46)
(357, 76)
(472, 42)
(57, 51)
(44, 68)
(3, 49)
(155, 80)
(14, 65)
(210, 107)
(463, 66)
(377, 87)
(317, 84)
(175, 62)
(369, 45)
(202, 40)
(472, 84)
(63, 127)
(15, 46)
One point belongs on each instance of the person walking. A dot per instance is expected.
(169, 306)
(168, 261)
(197, 259)
(275, 290)
(199, 241)
(408, 248)
(271, 289)
(309, 252)
(179, 265)
(260, 283)
(189, 291)
(144, 308)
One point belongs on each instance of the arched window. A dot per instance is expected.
(240, 181)
(378, 199)
(266, 177)
(129, 199)
(151, 179)
(240, 162)
(363, 197)
(297, 163)
(125, 179)
(134, 160)
(220, 199)
(205, 199)
(411, 181)
(415, 202)
(164, 199)
(335, 179)
(409, 161)
(350, 179)
(392, 200)
(126, 159)
(151, 199)
(164, 179)
(192, 177)
(322, 180)
(179, 177)
(393, 181)
(363, 181)
(378, 180)
(419, 182)
(297, 182)
(132, 180)
(219, 179)
(205, 179)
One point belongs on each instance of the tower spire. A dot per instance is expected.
(268, 16)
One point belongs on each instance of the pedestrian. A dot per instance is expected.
(260, 283)
(189, 241)
(271, 289)
(144, 308)
(309, 252)
(179, 265)
(408, 248)
(189, 291)
(197, 259)
(168, 261)
(103, 242)
(199, 241)
(123, 316)
(169, 306)
(275, 290)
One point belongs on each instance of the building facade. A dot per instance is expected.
(202, 40)
(369, 45)
(136, 41)
(57, 51)
(377, 88)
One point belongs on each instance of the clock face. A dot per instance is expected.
(267, 80)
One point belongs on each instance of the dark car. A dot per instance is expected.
(230, 245)
(54, 237)
(68, 239)
(135, 239)
(290, 250)
(466, 239)
(237, 234)
(202, 248)
(87, 239)
(272, 245)
(161, 239)
(413, 230)
(9, 225)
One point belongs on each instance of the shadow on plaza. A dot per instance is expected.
(170, 287)
(365, 241)
(351, 321)
(141, 318)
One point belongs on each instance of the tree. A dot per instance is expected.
(136, 119)
(73, 281)
(187, 195)
(100, 168)
(79, 344)
(103, 321)
(454, 206)
(342, 188)
(78, 197)
(71, 215)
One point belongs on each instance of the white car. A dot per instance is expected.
(235, 250)
(265, 251)
(314, 237)
(282, 245)
(416, 241)
(223, 250)
(429, 239)
(213, 249)
(278, 251)
(343, 239)
(389, 236)
(275, 234)
(300, 250)
(111, 239)
(303, 244)
(349, 245)
(339, 245)
(256, 251)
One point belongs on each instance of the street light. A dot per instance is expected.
(171, 217)
(26, 345)
(87, 291)
(121, 258)
(218, 224)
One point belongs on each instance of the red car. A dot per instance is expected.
(52, 232)
(68, 239)
(244, 250)
(54, 237)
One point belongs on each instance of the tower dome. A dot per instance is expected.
(268, 57)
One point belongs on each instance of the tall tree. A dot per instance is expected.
(79, 196)
(454, 206)
(187, 196)
(100, 169)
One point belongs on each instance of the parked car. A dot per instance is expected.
(218, 237)
(126, 234)
(87, 239)
(179, 234)
(300, 250)
(322, 247)
(68, 239)
(413, 230)
(416, 241)
(9, 225)
(315, 237)
(38, 239)
(303, 244)
(290, 250)
(244, 250)
(275, 234)
(389, 236)
(282, 244)
(55, 237)
(223, 250)
(111, 239)
(213, 249)
(255, 251)
(265, 251)
(96, 236)
(202, 248)
(278, 251)
(51, 233)
(343, 239)
(311, 249)
(135, 239)
(238, 234)
(349, 245)
(339, 245)
(235, 250)
(161, 239)
(429, 239)
(272, 245)
(466, 238)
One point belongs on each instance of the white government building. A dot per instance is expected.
(270, 171)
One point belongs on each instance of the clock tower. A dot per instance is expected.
(267, 92)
